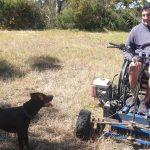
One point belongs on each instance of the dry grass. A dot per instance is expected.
(62, 63)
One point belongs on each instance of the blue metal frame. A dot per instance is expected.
(143, 126)
(129, 116)
(121, 137)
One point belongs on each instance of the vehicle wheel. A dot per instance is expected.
(83, 125)
(123, 85)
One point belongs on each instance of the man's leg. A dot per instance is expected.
(134, 70)
(144, 104)
(147, 96)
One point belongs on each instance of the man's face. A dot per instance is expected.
(146, 16)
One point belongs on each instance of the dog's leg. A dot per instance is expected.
(26, 139)
(20, 140)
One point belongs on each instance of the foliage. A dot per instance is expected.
(91, 15)
(81, 14)
(127, 19)
(94, 15)
(21, 15)
(67, 20)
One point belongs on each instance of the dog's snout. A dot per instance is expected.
(50, 97)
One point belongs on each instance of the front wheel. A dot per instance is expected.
(83, 125)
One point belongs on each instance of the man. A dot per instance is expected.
(138, 36)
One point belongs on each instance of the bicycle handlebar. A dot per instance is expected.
(141, 54)
(119, 46)
(114, 44)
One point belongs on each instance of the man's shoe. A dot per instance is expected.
(142, 108)
(133, 108)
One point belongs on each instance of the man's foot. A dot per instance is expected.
(142, 108)
(134, 108)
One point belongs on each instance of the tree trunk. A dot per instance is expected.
(59, 6)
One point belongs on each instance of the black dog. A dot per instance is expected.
(17, 119)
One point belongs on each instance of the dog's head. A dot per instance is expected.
(45, 99)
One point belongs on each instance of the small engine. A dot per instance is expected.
(102, 88)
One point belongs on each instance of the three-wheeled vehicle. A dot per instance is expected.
(120, 115)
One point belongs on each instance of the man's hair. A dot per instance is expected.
(146, 6)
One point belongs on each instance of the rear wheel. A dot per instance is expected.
(123, 85)
(83, 125)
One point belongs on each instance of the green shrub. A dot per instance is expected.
(67, 19)
(81, 14)
(127, 19)
(94, 15)
(27, 16)
(21, 15)
(84, 14)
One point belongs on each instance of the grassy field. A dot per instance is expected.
(62, 63)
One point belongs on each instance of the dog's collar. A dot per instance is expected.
(26, 113)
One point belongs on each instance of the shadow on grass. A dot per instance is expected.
(10, 142)
(67, 142)
(54, 140)
(51, 113)
(4, 105)
(42, 63)
(7, 71)
(37, 142)
(64, 144)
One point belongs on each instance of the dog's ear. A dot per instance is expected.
(36, 95)
(33, 95)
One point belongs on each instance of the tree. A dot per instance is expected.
(59, 4)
